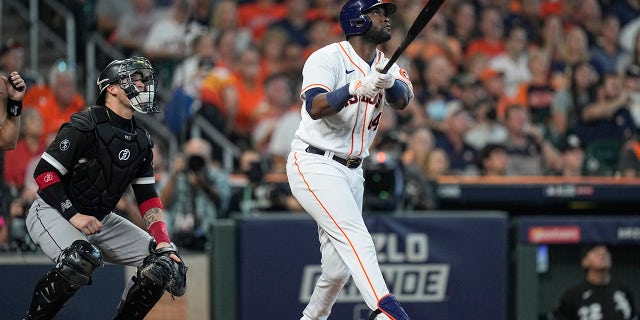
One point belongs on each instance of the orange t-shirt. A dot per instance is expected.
(41, 98)
(257, 18)
(248, 101)
(482, 46)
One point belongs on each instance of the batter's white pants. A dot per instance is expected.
(332, 194)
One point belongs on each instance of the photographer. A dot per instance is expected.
(195, 193)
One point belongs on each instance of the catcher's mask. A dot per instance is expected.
(125, 73)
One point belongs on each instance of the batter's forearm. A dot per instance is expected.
(9, 131)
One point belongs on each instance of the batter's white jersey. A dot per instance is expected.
(350, 132)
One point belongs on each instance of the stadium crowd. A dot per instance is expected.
(502, 88)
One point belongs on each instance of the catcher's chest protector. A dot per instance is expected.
(98, 182)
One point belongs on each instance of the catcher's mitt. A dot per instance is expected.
(164, 271)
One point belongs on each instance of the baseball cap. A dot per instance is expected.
(633, 71)
(490, 73)
(584, 251)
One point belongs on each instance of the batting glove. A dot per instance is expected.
(364, 87)
(383, 80)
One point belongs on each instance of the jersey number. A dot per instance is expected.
(373, 124)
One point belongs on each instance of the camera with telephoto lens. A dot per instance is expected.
(195, 163)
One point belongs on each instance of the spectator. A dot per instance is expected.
(12, 59)
(607, 117)
(588, 15)
(574, 50)
(572, 157)
(319, 34)
(598, 296)
(493, 84)
(271, 51)
(493, 160)
(29, 146)
(629, 165)
(463, 23)
(539, 92)
(58, 99)
(513, 62)
(202, 58)
(632, 55)
(108, 15)
(436, 165)
(632, 84)
(581, 90)
(552, 40)
(606, 51)
(195, 194)
(134, 25)
(278, 100)
(490, 42)
(528, 17)
(296, 22)
(629, 35)
(462, 156)
(249, 85)
(257, 15)
(438, 77)
(485, 128)
(169, 40)
(625, 10)
(419, 143)
(434, 41)
(529, 154)
(225, 19)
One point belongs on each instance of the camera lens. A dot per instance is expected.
(195, 163)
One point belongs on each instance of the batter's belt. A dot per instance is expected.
(349, 163)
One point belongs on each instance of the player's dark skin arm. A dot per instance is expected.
(320, 108)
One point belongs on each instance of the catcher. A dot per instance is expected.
(81, 176)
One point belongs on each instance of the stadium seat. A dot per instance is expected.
(601, 157)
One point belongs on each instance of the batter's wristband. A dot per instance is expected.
(159, 232)
(338, 98)
(14, 108)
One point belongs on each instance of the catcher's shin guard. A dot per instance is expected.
(390, 306)
(74, 270)
(140, 298)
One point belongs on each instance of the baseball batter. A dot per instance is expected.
(344, 96)
(81, 176)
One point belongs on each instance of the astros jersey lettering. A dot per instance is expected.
(350, 132)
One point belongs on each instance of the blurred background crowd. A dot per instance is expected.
(502, 88)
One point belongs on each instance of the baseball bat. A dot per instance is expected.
(421, 21)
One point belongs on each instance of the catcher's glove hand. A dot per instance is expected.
(164, 271)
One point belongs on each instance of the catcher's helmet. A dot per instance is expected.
(353, 17)
(120, 72)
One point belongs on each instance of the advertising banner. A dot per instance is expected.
(96, 301)
(613, 230)
(440, 266)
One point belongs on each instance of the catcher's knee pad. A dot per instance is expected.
(390, 306)
(73, 271)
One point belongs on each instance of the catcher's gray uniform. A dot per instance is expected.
(53, 234)
(81, 177)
